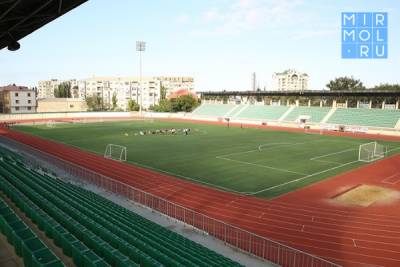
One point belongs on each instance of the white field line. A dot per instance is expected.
(280, 144)
(393, 149)
(328, 161)
(184, 177)
(155, 169)
(299, 179)
(271, 144)
(259, 165)
(386, 180)
(335, 153)
(307, 176)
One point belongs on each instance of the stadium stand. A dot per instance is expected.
(213, 109)
(93, 230)
(365, 117)
(262, 112)
(26, 243)
(316, 114)
(387, 118)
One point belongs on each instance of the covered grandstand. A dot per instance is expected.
(366, 108)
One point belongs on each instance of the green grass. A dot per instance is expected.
(265, 163)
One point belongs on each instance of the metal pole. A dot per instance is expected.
(140, 83)
(140, 47)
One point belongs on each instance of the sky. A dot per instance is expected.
(218, 42)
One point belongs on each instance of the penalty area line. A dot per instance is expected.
(335, 153)
(298, 179)
(260, 165)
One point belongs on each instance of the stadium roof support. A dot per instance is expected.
(18, 18)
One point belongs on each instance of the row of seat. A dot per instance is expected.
(26, 243)
(315, 114)
(344, 116)
(213, 110)
(365, 117)
(118, 236)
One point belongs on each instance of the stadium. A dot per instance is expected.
(248, 178)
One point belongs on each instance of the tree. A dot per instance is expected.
(63, 90)
(93, 103)
(163, 106)
(345, 83)
(387, 87)
(183, 103)
(163, 92)
(186, 103)
(114, 101)
(132, 105)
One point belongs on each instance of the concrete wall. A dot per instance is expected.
(61, 105)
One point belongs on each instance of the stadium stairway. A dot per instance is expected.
(315, 230)
(93, 230)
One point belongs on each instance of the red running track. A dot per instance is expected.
(304, 219)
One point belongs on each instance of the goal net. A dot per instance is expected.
(115, 152)
(371, 151)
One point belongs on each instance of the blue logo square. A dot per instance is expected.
(380, 35)
(365, 51)
(349, 35)
(380, 19)
(364, 19)
(364, 35)
(349, 19)
(349, 51)
(380, 51)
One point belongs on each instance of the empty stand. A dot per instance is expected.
(218, 110)
(26, 243)
(365, 117)
(315, 114)
(93, 230)
(261, 112)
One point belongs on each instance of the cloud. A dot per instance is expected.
(247, 15)
(182, 19)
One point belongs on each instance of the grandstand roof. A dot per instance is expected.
(307, 93)
(18, 18)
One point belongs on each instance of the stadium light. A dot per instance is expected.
(140, 47)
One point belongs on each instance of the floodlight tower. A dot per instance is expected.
(140, 47)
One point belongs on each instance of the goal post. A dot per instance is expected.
(371, 151)
(115, 152)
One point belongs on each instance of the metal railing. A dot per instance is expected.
(246, 241)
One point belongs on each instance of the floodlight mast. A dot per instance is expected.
(140, 47)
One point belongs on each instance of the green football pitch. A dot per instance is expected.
(260, 162)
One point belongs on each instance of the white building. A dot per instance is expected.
(17, 99)
(124, 88)
(289, 80)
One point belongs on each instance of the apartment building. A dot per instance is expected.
(124, 88)
(17, 99)
(289, 80)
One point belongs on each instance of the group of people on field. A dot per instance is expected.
(171, 131)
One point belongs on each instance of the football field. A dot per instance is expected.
(260, 162)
